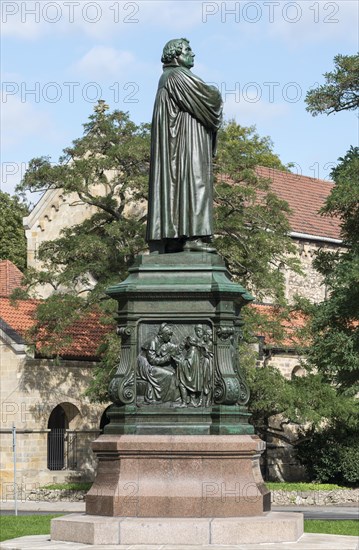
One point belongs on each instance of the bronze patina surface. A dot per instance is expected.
(179, 369)
(179, 437)
(186, 117)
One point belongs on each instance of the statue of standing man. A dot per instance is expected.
(187, 115)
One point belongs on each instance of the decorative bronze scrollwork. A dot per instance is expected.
(122, 390)
(231, 387)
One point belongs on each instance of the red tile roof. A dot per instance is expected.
(291, 326)
(10, 277)
(305, 197)
(86, 333)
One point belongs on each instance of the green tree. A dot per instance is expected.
(341, 89)
(12, 234)
(330, 451)
(108, 168)
(251, 222)
(335, 322)
(302, 411)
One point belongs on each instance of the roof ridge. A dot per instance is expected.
(284, 173)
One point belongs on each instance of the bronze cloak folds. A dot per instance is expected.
(186, 118)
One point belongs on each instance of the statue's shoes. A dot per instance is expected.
(198, 246)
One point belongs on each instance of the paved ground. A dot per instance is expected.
(306, 542)
(322, 512)
(34, 506)
(310, 512)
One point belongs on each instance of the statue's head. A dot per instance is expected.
(165, 332)
(178, 52)
(199, 330)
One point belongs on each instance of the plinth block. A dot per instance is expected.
(178, 476)
(272, 527)
(86, 529)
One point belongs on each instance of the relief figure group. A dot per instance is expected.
(181, 373)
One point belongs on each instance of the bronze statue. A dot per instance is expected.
(187, 115)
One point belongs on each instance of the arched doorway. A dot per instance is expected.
(58, 424)
(62, 448)
(104, 419)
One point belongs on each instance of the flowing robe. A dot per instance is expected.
(190, 367)
(155, 366)
(187, 115)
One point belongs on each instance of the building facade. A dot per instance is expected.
(44, 398)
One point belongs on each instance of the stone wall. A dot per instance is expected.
(54, 212)
(287, 362)
(310, 284)
(30, 390)
(278, 497)
(316, 498)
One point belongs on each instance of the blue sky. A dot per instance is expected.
(59, 57)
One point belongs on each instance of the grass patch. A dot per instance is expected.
(12, 527)
(338, 527)
(279, 486)
(75, 486)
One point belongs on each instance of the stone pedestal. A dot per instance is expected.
(182, 291)
(178, 462)
(178, 476)
(271, 527)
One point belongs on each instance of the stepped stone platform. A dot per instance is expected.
(273, 527)
(308, 541)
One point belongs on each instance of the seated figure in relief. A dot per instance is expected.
(156, 366)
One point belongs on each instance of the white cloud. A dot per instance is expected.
(304, 22)
(17, 24)
(101, 19)
(296, 23)
(102, 61)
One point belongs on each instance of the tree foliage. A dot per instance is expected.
(341, 89)
(335, 322)
(107, 169)
(330, 451)
(331, 454)
(251, 222)
(298, 411)
(12, 234)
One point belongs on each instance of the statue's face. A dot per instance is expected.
(166, 335)
(198, 330)
(186, 58)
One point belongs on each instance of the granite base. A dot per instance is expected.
(271, 527)
(178, 476)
